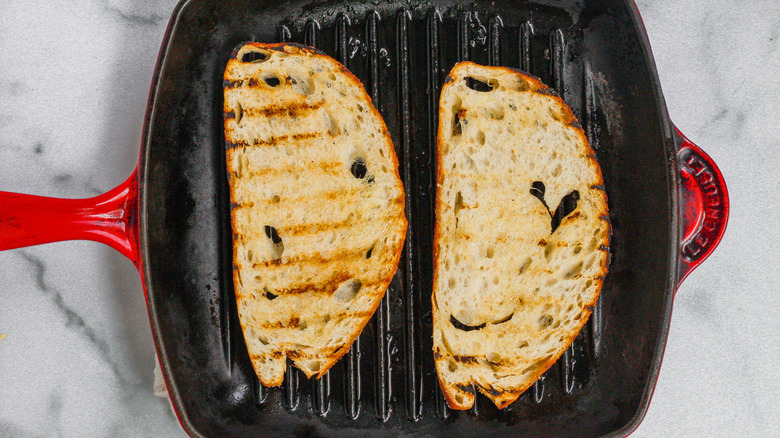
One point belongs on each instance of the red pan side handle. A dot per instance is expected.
(110, 218)
(704, 205)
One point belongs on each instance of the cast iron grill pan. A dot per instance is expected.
(592, 54)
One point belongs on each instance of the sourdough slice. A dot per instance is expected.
(514, 280)
(317, 206)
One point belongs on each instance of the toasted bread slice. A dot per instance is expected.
(317, 206)
(521, 233)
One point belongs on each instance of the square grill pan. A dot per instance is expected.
(594, 53)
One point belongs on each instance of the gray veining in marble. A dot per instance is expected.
(77, 356)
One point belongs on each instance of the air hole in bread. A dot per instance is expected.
(272, 234)
(577, 249)
(504, 319)
(574, 270)
(466, 328)
(269, 295)
(358, 168)
(457, 129)
(496, 279)
(445, 342)
(272, 81)
(557, 171)
(522, 85)
(555, 113)
(522, 344)
(495, 111)
(348, 290)
(490, 251)
(480, 138)
(588, 283)
(549, 249)
(239, 167)
(567, 205)
(331, 123)
(456, 116)
(249, 256)
(278, 246)
(302, 325)
(451, 283)
(451, 365)
(313, 365)
(250, 332)
(239, 112)
(304, 86)
(459, 398)
(481, 86)
(370, 251)
(525, 265)
(458, 205)
(332, 77)
(545, 321)
(591, 260)
(255, 56)
(537, 190)
(262, 340)
(533, 367)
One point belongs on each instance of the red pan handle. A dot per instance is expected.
(704, 204)
(110, 218)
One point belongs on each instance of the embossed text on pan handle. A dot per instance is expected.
(704, 205)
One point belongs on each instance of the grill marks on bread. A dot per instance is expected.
(317, 206)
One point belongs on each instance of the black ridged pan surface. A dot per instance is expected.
(594, 53)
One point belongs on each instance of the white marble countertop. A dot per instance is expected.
(76, 353)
